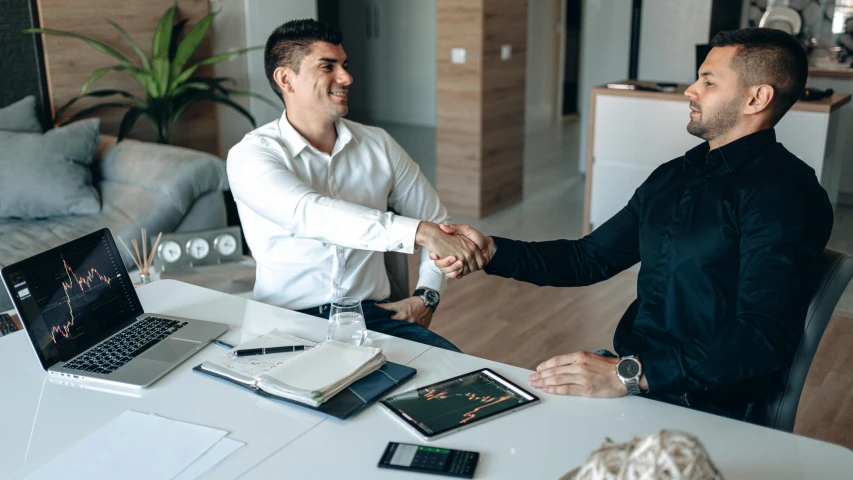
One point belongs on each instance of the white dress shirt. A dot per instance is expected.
(317, 223)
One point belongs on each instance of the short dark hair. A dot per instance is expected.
(771, 56)
(288, 44)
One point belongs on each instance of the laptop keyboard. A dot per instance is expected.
(123, 347)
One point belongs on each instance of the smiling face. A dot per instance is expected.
(717, 98)
(321, 88)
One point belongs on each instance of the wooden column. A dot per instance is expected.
(480, 105)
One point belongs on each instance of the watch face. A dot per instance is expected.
(198, 248)
(169, 251)
(225, 244)
(431, 297)
(629, 368)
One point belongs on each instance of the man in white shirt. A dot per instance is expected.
(313, 192)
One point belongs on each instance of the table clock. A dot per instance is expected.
(183, 250)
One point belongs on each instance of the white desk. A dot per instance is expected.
(543, 441)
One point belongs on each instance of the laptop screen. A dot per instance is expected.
(73, 296)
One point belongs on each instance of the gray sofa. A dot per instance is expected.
(160, 187)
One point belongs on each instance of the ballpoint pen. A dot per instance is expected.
(265, 351)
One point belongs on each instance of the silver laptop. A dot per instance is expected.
(84, 319)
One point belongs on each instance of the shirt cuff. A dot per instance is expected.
(505, 260)
(402, 234)
(431, 279)
(662, 370)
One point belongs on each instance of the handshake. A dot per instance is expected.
(457, 250)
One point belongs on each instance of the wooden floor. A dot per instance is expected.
(521, 324)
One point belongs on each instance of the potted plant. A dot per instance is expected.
(171, 86)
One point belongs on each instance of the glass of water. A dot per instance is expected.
(346, 321)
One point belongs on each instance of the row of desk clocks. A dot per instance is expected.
(183, 250)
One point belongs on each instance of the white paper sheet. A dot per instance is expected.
(219, 452)
(126, 448)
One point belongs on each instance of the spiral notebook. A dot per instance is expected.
(344, 380)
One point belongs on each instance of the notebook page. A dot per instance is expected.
(247, 369)
(324, 366)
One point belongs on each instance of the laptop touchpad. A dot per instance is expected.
(170, 350)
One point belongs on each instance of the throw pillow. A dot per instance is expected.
(20, 116)
(47, 175)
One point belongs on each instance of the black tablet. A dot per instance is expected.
(459, 402)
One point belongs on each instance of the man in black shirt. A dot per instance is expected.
(728, 237)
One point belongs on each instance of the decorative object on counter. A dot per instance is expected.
(143, 261)
(170, 85)
(781, 16)
(7, 326)
(816, 94)
(183, 250)
(667, 455)
(845, 40)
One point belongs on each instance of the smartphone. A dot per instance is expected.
(440, 461)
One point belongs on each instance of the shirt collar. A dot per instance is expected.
(733, 154)
(295, 142)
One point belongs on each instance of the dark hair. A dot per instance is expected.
(288, 44)
(771, 56)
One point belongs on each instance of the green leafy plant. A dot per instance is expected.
(171, 86)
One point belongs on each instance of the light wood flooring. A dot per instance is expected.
(523, 325)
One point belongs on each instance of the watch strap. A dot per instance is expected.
(633, 387)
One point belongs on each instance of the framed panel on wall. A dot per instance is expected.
(22, 59)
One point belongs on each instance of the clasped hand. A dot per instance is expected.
(456, 249)
(473, 250)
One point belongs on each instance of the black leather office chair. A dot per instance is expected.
(781, 410)
(397, 266)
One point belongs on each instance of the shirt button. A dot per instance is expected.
(335, 285)
(400, 246)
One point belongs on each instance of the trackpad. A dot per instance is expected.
(170, 350)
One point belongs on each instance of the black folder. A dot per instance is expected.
(349, 401)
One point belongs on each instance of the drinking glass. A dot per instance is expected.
(346, 321)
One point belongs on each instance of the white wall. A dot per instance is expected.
(229, 33)
(541, 72)
(668, 36)
(605, 45)
(262, 17)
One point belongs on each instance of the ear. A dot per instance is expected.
(283, 78)
(760, 98)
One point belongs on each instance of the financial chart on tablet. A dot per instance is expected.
(458, 402)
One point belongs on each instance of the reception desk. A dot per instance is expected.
(632, 132)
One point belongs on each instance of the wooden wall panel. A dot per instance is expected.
(480, 105)
(69, 62)
(458, 110)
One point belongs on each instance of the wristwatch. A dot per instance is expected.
(429, 296)
(629, 370)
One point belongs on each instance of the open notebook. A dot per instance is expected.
(334, 378)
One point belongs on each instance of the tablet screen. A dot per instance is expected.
(457, 402)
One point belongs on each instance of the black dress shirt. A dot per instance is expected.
(728, 242)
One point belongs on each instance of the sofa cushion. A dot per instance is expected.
(21, 116)
(46, 175)
(181, 175)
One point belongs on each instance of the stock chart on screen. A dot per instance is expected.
(457, 402)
